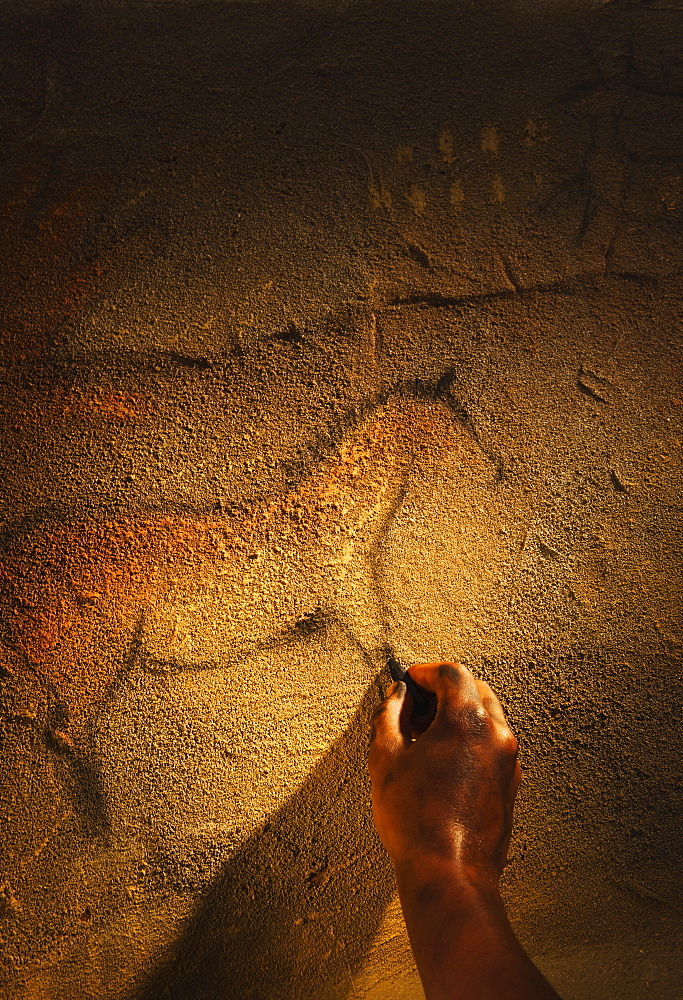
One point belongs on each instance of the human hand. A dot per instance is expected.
(447, 795)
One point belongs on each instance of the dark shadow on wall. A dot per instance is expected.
(293, 913)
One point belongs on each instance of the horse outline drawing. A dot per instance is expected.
(107, 594)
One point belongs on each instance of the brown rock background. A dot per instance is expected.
(326, 325)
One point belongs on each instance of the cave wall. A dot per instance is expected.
(326, 327)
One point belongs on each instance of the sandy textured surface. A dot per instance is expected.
(326, 326)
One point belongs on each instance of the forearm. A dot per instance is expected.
(464, 946)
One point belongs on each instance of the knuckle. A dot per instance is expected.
(380, 710)
(375, 738)
(452, 673)
(477, 720)
(486, 690)
(380, 741)
(471, 719)
(508, 742)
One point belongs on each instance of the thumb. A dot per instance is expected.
(390, 731)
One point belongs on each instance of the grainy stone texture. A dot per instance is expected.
(324, 326)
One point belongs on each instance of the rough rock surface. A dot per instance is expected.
(328, 325)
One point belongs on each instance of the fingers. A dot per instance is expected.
(390, 731)
(506, 738)
(463, 701)
(491, 703)
(445, 680)
(454, 686)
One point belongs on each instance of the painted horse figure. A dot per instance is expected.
(79, 600)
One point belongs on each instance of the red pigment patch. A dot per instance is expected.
(72, 595)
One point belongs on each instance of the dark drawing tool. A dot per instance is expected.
(421, 703)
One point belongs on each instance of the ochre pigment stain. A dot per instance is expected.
(59, 406)
(75, 596)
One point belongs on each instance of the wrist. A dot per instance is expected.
(462, 940)
(456, 923)
(463, 884)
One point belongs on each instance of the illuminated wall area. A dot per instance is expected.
(325, 327)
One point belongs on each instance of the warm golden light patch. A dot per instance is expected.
(417, 199)
(457, 194)
(497, 190)
(490, 143)
(75, 596)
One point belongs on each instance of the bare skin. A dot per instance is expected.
(443, 795)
